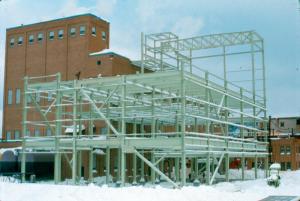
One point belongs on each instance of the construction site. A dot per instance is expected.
(199, 101)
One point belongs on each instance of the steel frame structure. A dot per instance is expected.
(173, 102)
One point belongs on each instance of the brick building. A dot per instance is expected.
(71, 46)
(285, 142)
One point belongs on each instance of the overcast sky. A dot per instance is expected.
(277, 21)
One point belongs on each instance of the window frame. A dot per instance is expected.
(20, 40)
(288, 150)
(8, 133)
(17, 134)
(9, 97)
(103, 131)
(28, 133)
(40, 37)
(37, 133)
(288, 165)
(18, 96)
(48, 133)
(103, 35)
(12, 42)
(94, 31)
(73, 31)
(31, 39)
(37, 97)
(282, 150)
(51, 35)
(50, 95)
(82, 30)
(60, 33)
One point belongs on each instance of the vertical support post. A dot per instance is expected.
(107, 155)
(142, 53)
(207, 130)
(226, 115)
(142, 180)
(134, 165)
(91, 162)
(265, 105)
(177, 159)
(196, 169)
(123, 131)
(242, 132)
(24, 130)
(119, 150)
(255, 166)
(254, 98)
(177, 176)
(207, 175)
(153, 126)
(79, 162)
(191, 60)
(57, 160)
(91, 133)
(74, 146)
(182, 115)
(107, 164)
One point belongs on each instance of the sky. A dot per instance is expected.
(277, 21)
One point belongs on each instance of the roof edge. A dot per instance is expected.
(58, 19)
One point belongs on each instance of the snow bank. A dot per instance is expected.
(236, 191)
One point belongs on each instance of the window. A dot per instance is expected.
(10, 97)
(281, 124)
(36, 132)
(48, 132)
(103, 131)
(103, 35)
(298, 122)
(94, 31)
(98, 62)
(82, 30)
(17, 134)
(12, 42)
(49, 96)
(31, 39)
(94, 161)
(20, 40)
(8, 135)
(282, 165)
(18, 96)
(288, 150)
(288, 165)
(28, 98)
(72, 31)
(37, 97)
(61, 34)
(40, 36)
(28, 133)
(51, 35)
(282, 150)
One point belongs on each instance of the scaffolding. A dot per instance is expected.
(175, 111)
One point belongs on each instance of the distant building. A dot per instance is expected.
(285, 142)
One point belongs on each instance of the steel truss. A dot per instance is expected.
(170, 114)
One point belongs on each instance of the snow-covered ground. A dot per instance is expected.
(244, 191)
